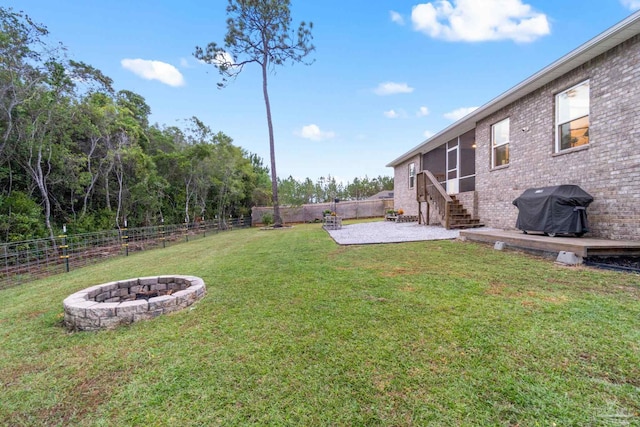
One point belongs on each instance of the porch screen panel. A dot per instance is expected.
(435, 161)
(467, 184)
(452, 158)
(468, 154)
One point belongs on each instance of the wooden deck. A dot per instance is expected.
(581, 246)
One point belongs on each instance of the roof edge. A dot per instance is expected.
(575, 58)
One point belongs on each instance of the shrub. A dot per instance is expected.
(267, 218)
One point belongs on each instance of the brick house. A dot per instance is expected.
(577, 121)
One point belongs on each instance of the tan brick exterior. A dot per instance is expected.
(608, 168)
(404, 197)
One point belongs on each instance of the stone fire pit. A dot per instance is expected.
(126, 301)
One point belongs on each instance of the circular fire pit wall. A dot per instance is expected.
(119, 303)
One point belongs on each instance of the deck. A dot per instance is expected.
(538, 243)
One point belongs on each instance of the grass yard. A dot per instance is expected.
(296, 330)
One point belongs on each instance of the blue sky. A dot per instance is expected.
(387, 74)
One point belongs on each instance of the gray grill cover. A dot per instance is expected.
(560, 209)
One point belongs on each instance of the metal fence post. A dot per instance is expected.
(65, 248)
(125, 238)
(6, 260)
(164, 240)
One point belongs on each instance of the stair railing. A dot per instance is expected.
(430, 191)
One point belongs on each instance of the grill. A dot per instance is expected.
(560, 209)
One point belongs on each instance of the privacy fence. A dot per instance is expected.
(314, 212)
(31, 259)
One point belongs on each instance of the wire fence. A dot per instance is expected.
(28, 260)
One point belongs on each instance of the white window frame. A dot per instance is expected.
(493, 141)
(558, 123)
(412, 175)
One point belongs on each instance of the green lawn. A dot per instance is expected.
(296, 330)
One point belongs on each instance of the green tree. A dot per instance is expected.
(38, 97)
(230, 168)
(258, 183)
(20, 218)
(39, 127)
(93, 125)
(126, 151)
(72, 151)
(259, 31)
(308, 189)
(22, 54)
(289, 191)
(136, 105)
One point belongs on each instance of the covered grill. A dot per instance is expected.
(560, 209)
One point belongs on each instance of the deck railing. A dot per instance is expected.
(430, 191)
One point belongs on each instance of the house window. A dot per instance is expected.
(572, 117)
(500, 143)
(412, 175)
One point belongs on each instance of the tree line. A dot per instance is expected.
(75, 151)
(295, 193)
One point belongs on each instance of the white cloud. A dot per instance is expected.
(396, 17)
(459, 113)
(154, 70)
(184, 63)
(631, 4)
(391, 114)
(475, 21)
(428, 134)
(314, 133)
(391, 88)
(423, 111)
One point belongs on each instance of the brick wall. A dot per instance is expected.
(404, 197)
(469, 200)
(608, 168)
